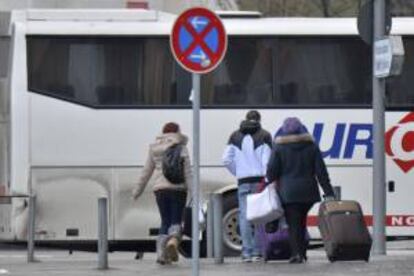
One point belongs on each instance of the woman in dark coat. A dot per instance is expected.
(296, 164)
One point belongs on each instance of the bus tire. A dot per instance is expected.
(185, 247)
(231, 233)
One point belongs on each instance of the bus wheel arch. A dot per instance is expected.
(231, 234)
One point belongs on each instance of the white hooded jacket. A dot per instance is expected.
(248, 152)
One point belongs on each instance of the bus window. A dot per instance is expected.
(322, 71)
(107, 72)
(400, 92)
(305, 71)
(244, 77)
(256, 72)
(4, 56)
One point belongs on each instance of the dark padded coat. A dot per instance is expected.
(297, 165)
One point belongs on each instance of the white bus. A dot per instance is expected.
(83, 93)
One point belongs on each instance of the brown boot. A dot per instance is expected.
(171, 249)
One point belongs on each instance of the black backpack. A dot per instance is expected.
(173, 164)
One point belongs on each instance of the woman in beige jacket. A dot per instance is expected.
(171, 198)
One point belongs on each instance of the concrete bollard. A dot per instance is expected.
(103, 233)
(31, 229)
(210, 227)
(218, 228)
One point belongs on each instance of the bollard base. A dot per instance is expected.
(139, 256)
(221, 261)
(35, 260)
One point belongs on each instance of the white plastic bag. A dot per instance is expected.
(201, 216)
(264, 207)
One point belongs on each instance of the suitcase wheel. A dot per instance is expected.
(331, 259)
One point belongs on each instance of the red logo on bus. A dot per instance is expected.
(399, 143)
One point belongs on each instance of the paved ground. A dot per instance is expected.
(399, 261)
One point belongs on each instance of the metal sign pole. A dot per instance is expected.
(196, 175)
(378, 95)
(198, 57)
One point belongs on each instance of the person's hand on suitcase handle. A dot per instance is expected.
(265, 182)
(329, 197)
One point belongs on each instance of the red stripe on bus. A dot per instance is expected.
(391, 220)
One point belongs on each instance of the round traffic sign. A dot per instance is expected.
(198, 40)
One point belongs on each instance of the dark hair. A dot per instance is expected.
(253, 115)
(171, 127)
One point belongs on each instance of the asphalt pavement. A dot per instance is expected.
(398, 261)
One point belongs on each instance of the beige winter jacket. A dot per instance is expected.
(153, 165)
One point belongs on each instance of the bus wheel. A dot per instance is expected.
(185, 247)
(231, 234)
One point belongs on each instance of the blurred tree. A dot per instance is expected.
(314, 8)
(402, 7)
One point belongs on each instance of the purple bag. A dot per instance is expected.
(275, 245)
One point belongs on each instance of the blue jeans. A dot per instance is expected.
(249, 245)
(171, 206)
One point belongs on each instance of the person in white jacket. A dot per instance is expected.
(246, 157)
